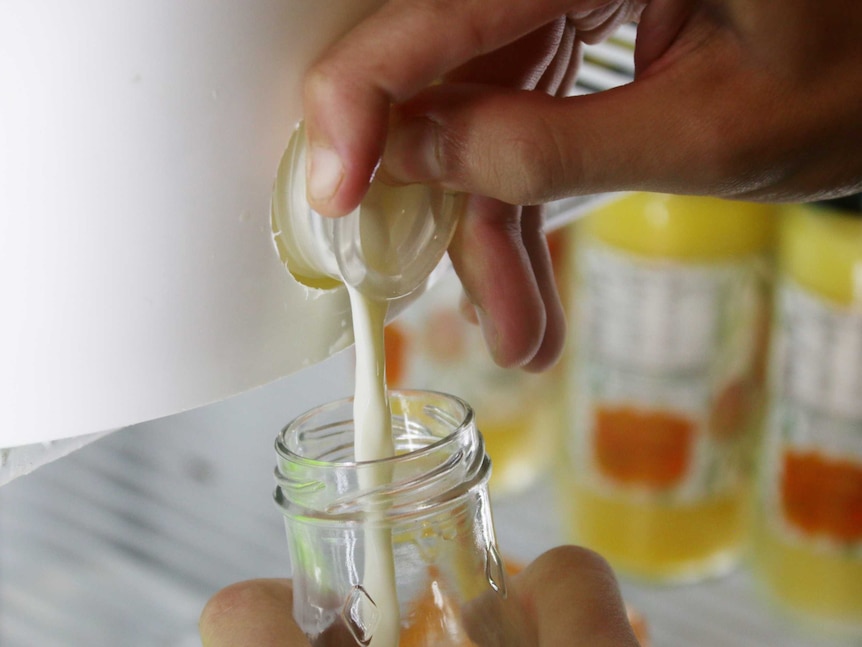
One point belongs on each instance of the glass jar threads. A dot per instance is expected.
(429, 521)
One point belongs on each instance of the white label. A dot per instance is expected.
(819, 353)
(658, 315)
(448, 354)
(669, 366)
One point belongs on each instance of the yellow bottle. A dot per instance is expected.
(670, 323)
(432, 346)
(809, 531)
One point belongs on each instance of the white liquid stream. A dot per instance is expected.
(373, 441)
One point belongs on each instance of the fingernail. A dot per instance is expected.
(413, 151)
(325, 173)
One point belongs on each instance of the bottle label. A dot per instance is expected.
(812, 470)
(818, 358)
(668, 372)
(432, 346)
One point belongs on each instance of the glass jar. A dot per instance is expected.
(808, 539)
(671, 315)
(386, 248)
(427, 525)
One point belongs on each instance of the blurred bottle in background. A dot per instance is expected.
(670, 323)
(432, 346)
(809, 522)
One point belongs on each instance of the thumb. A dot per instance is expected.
(566, 597)
(693, 126)
(574, 600)
(255, 612)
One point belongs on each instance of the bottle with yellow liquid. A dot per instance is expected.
(432, 346)
(809, 523)
(670, 324)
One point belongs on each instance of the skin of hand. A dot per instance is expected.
(567, 597)
(745, 100)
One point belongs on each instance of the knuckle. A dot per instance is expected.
(540, 169)
(322, 84)
(471, 29)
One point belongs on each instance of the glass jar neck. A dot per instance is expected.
(440, 456)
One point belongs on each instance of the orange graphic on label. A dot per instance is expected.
(822, 495)
(642, 446)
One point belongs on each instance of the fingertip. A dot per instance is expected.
(573, 591)
(542, 260)
(570, 558)
(495, 270)
(345, 129)
(514, 330)
(468, 311)
(250, 612)
(553, 342)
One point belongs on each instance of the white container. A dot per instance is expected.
(139, 141)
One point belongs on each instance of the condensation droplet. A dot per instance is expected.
(494, 570)
(361, 615)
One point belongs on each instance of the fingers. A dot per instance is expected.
(497, 274)
(257, 612)
(559, 76)
(572, 598)
(501, 256)
(520, 64)
(692, 123)
(554, 334)
(541, 60)
(397, 51)
(568, 597)
(507, 144)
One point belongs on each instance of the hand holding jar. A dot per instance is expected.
(568, 596)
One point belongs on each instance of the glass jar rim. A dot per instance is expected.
(443, 457)
(466, 423)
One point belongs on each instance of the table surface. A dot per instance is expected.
(122, 542)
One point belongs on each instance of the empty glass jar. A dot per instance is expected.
(429, 520)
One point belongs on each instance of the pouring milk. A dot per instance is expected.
(383, 251)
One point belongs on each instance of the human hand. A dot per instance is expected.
(736, 99)
(499, 251)
(568, 596)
